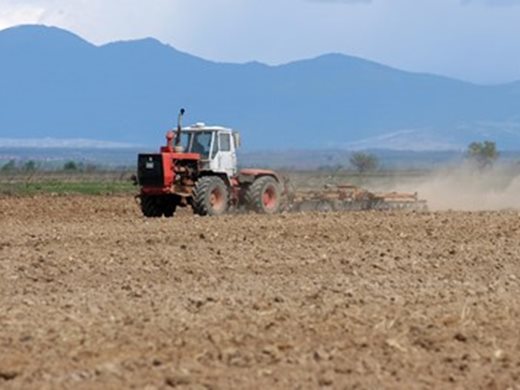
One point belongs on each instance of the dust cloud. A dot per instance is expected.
(465, 188)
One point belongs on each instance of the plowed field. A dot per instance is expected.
(92, 295)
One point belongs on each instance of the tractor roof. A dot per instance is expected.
(204, 127)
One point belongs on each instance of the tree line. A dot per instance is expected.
(12, 166)
(481, 155)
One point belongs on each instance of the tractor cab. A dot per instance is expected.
(216, 146)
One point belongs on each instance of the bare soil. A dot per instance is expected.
(92, 295)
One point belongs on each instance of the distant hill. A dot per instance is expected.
(53, 84)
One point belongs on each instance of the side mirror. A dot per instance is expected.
(236, 138)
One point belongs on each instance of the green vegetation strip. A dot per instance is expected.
(67, 187)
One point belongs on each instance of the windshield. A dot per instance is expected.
(200, 142)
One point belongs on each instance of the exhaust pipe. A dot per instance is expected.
(179, 127)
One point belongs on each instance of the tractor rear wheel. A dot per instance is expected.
(151, 206)
(210, 196)
(264, 195)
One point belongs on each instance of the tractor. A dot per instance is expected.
(197, 168)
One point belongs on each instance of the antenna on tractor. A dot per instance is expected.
(179, 127)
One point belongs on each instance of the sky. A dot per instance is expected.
(473, 40)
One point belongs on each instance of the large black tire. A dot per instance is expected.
(151, 206)
(169, 207)
(264, 195)
(210, 196)
(157, 206)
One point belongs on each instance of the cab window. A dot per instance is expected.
(200, 142)
(224, 142)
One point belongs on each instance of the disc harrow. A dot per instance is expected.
(352, 198)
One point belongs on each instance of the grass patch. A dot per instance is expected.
(67, 187)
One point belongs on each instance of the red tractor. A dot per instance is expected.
(198, 168)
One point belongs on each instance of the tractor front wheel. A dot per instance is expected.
(169, 207)
(264, 195)
(210, 196)
(157, 206)
(151, 206)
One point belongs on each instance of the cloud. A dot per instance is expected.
(492, 3)
(342, 1)
(98, 21)
(470, 39)
(14, 14)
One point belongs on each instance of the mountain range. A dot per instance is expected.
(56, 85)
